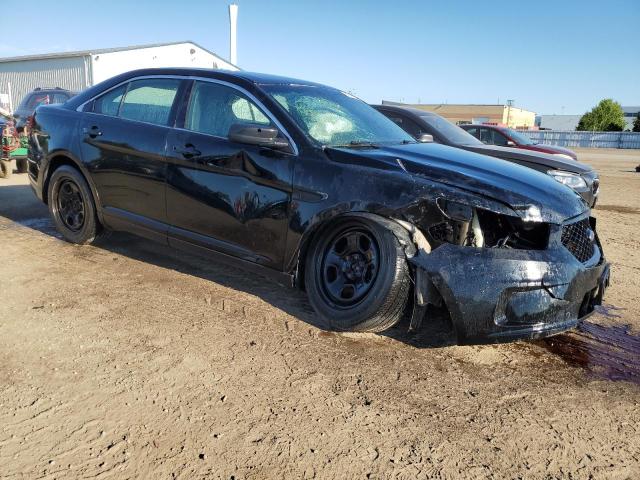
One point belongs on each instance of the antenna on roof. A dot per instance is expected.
(233, 23)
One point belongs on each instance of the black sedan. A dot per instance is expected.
(428, 126)
(307, 183)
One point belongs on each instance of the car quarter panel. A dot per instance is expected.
(54, 135)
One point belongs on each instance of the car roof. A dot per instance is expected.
(475, 125)
(239, 77)
(253, 77)
(401, 109)
(50, 90)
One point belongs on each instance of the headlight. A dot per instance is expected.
(569, 179)
(564, 155)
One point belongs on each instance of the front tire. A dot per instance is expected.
(5, 168)
(72, 206)
(357, 276)
(22, 165)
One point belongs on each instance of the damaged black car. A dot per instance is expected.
(313, 186)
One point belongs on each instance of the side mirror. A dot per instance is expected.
(511, 143)
(262, 136)
(425, 138)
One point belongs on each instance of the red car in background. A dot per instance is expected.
(507, 137)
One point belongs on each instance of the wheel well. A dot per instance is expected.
(54, 164)
(398, 231)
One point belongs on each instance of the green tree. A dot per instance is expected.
(607, 116)
(636, 124)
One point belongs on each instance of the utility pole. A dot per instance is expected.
(509, 105)
(233, 26)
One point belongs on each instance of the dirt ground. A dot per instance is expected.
(129, 360)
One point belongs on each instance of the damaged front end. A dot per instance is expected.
(503, 273)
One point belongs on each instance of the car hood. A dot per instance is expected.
(553, 162)
(514, 185)
(552, 149)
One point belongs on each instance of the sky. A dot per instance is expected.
(551, 57)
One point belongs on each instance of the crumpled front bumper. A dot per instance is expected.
(497, 294)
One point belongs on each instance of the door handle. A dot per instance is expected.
(92, 132)
(188, 151)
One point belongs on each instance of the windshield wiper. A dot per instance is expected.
(358, 144)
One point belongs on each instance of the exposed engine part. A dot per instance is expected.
(477, 231)
(503, 231)
(482, 228)
(417, 236)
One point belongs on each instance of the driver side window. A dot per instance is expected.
(492, 137)
(214, 108)
(499, 139)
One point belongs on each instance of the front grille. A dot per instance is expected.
(595, 186)
(579, 239)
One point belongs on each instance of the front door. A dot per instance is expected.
(123, 137)
(226, 196)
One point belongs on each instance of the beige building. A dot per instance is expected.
(492, 114)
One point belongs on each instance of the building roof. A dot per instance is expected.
(97, 51)
(400, 104)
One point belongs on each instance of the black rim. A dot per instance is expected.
(70, 205)
(350, 266)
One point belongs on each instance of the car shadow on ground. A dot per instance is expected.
(19, 204)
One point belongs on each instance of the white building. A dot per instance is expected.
(78, 70)
(558, 122)
(630, 115)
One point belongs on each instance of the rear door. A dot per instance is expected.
(123, 137)
(226, 196)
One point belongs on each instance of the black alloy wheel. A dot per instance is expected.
(350, 266)
(71, 205)
(356, 276)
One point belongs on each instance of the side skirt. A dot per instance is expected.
(160, 232)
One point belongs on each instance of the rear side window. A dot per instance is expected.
(486, 136)
(213, 108)
(150, 100)
(109, 103)
(499, 139)
(35, 100)
(59, 98)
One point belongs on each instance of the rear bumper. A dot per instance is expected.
(35, 182)
(496, 295)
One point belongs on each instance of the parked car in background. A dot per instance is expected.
(310, 184)
(40, 96)
(508, 137)
(429, 126)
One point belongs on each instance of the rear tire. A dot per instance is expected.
(357, 276)
(5, 168)
(72, 206)
(22, 165)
